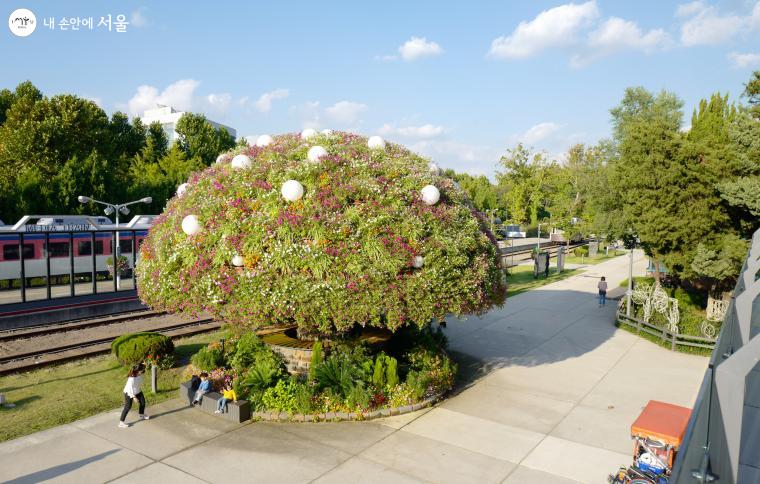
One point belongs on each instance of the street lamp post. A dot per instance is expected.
(117, 209)
(629, 292)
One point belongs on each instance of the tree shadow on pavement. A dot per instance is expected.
(59, 470)
(536, 328)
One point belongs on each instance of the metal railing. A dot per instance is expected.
(722, 442)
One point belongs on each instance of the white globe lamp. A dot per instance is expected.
(292, 190)
(308, 133)
(191, 225)
(315, 153)
(264, 140)
(241, 162)
(326, 132)
(376, 143)
(430, 194)
(221, 158)
(181, 189)
(238, 261)
(418, 262)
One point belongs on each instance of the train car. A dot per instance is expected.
(61, 231)
(513, 232)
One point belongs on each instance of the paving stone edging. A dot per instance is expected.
(340, 416)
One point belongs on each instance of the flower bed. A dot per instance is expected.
(344, 381)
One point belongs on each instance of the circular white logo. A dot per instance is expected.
(22, 22)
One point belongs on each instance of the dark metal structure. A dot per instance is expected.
(722, 441)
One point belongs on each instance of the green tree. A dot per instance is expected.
(199, 139)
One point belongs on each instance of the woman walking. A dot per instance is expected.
(133, 390)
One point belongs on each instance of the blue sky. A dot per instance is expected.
(459, 82)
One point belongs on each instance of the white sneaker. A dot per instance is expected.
(217, 411)
(144, 417)
(123, 425)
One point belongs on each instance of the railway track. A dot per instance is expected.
(28, 360)
(52, 328)
(509, 255)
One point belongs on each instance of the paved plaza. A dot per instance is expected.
(552, 390)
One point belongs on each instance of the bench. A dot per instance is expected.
(239, 411)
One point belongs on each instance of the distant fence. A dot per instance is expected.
(665, 335)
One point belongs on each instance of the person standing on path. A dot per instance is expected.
(602, 291)
(132, 391)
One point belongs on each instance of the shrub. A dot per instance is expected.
(581, 251)
(208, 359)
(378, 376)
(262, 375)
(316, 359)
(131, 349)
(324, 262)
(247, 349)
(358, 397)
(391, 375)
(335, 374)
(282, 396)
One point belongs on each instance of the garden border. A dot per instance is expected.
(665, 335)
(343, 416)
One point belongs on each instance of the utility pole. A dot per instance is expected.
(629, 292)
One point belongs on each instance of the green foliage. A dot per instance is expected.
(324, 262)
(720, 264)
(247, 349)
(581, 251)
(391, 372)
(337, 375)
(131, 349)
(283, 396)
(378, 376)
(317, 357)
(207, 359)
(199, 139)
(262, 375)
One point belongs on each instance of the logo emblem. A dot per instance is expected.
(22, 22)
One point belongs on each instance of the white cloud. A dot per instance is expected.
(309, 113)
(539, 132)
(689, 9)
(418, 47)
(345, 112)
(178, 95)
(462, 157)
(219, 102)
(138, 19)
(617, 34)
(705, 26)
(556, 27)
(424, 131)
(264, 103)
(746, 60)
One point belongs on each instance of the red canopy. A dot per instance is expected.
(663, 422)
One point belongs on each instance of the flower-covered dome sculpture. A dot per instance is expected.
(367, 234)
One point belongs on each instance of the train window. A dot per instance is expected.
(84, 247)
(125, 246)
(10, 252)
(59, 249)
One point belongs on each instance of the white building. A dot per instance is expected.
(168, 117)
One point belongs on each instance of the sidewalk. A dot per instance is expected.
(555, 389)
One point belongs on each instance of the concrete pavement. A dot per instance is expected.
(553, 389)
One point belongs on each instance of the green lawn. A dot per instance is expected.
(520, 278)
(56, 395)
(600, 257)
